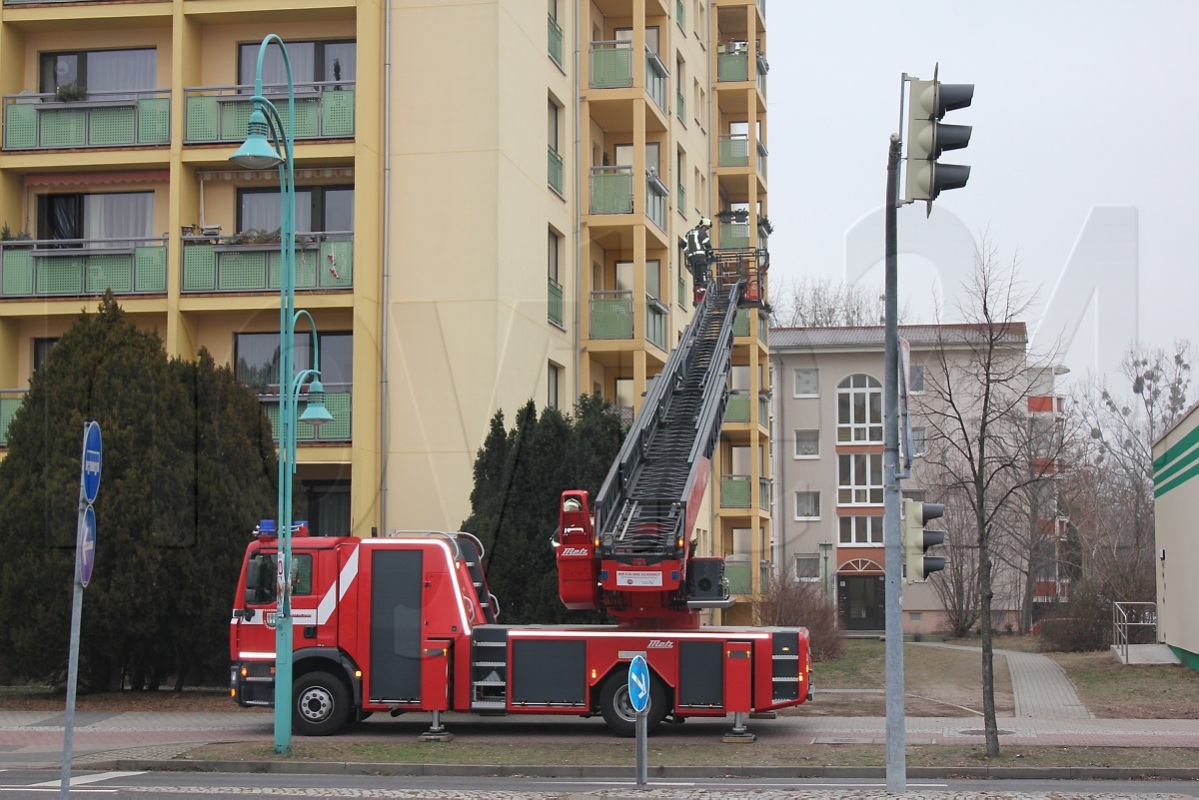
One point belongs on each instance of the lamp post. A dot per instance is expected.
(825, 547)
(258, 153)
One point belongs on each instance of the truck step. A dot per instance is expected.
(489, 683)
(489, 664)
(488, 704)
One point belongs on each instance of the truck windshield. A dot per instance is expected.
(260, 577)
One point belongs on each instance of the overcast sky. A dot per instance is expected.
(1082, 111)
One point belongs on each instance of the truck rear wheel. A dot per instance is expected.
(321, 704)
(618, 707)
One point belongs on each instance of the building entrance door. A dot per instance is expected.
(861, 601)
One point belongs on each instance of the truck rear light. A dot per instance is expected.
(245, 672)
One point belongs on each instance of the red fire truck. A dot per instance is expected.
(407, 623)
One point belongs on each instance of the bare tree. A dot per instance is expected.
(957, 585)
(975, 406)
(1110, 494)
(812, 302)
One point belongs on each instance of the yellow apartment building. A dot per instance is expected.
(491, 198)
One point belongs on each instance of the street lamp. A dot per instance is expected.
(824, 548)
(259, 153)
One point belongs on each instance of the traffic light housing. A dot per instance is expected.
(928, 138)
(916, 540)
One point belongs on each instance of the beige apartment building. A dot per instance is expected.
(828, 440)
(490, 202)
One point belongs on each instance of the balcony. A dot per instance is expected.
(735, 491)
(734, 235)
(611, 190)
(555, 40)
(82, 267)
(10, 401)
(739, 574)
(555, 302)
(555, 170)
(612, 315)
(734, 150)
(324, 261)
(611, 64)
(732, 66)
(337, 400)
(103, 119)
(655, 79)
(737, 409)
(220, 113)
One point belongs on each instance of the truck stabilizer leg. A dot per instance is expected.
(739, 734)
(437, 731)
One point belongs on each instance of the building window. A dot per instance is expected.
(257, 358)
(807, 567)
(860, 410)
(41, 351)
(311, 62)
(328, 507)
(919, 441)
(807, 382)
(553, 251)
(99, 218)
(916, 378)
(807, 505)
(807, 444)
(319, 209)
(860, 479)
(553, 381)
(861, 530)
(100, 71)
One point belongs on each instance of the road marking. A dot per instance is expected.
(82, 779)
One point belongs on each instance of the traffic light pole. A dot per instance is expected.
(892, 538)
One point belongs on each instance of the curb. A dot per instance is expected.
(556, 771)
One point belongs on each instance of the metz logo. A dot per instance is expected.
(659, 644)
(574, 551)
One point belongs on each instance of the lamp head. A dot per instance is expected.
(256, 152)
(315, 413)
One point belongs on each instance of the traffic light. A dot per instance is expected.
(916, 540)
(928, 138)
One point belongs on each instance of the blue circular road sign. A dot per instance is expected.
(639, 684)
(91, 462)
(87, 546)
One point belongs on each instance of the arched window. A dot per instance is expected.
(860, 410)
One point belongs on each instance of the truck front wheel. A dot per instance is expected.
(322, 704)
(618, 708)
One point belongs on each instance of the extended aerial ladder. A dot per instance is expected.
(629, 553)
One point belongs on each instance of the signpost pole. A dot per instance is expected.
(639, 699)
(642, 749)
(68, 742)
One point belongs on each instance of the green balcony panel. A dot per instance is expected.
(203, 123)
(741, 322)
(336, 264)
(734, 235)
(8, 410)
(555, 41)
(305, 266)
(734, 152)
(611, 67)
(337, 113)
(734, 492)
(105, 272)
(737, 409)
(612, 193)
(65, 127)
(739, 577)
(555, 170)
(732, 67)
(150, 268)
(199, 268)
(154, 120)
(111, 127)
(235, 116)
(16, 272)
(59, 275)
(338, 430)
(612, 318)
(554, 300)
(242, 270)
(20, 126)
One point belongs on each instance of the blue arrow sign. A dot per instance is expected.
(87, 545)
(91, 461)
(639, 684)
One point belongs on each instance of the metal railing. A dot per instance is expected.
(1127, 620)
(734, 150)
(612, 190)
(82, 267)
(323, 110)
(10, 401)
(243, 263)
(612, 314)
(555, 40)
(655, 79)
(554, 298)
(337, 401)
(555, 169)
(121, 118)
(611, 64)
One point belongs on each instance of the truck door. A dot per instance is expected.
(255, 627)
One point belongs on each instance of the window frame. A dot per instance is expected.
(317, 203)
(857, 492)
(795, 391)
(862, 393)
(47, 68)
(797, 455)
(811, 558)
(319, 59)
(873, 527)
(302, 359)
(809, 493)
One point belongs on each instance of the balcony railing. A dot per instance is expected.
(220, 113)
(10, 401)
(741, 322)
(555, 302)
(555, 40)
(734, 235)
(655, 79)
(734, 150)
(229, 264)
(82, 267)
(739, 574)
(611, 64)
(612, 314)
(681, 194)
(103, 119)
(737, 409)
(762, 159)
(555, 170)
(657, 198)
(681, 107)
(611, 190)
(735, 491)
(732, 67)
(337, 400)
(656, 317)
